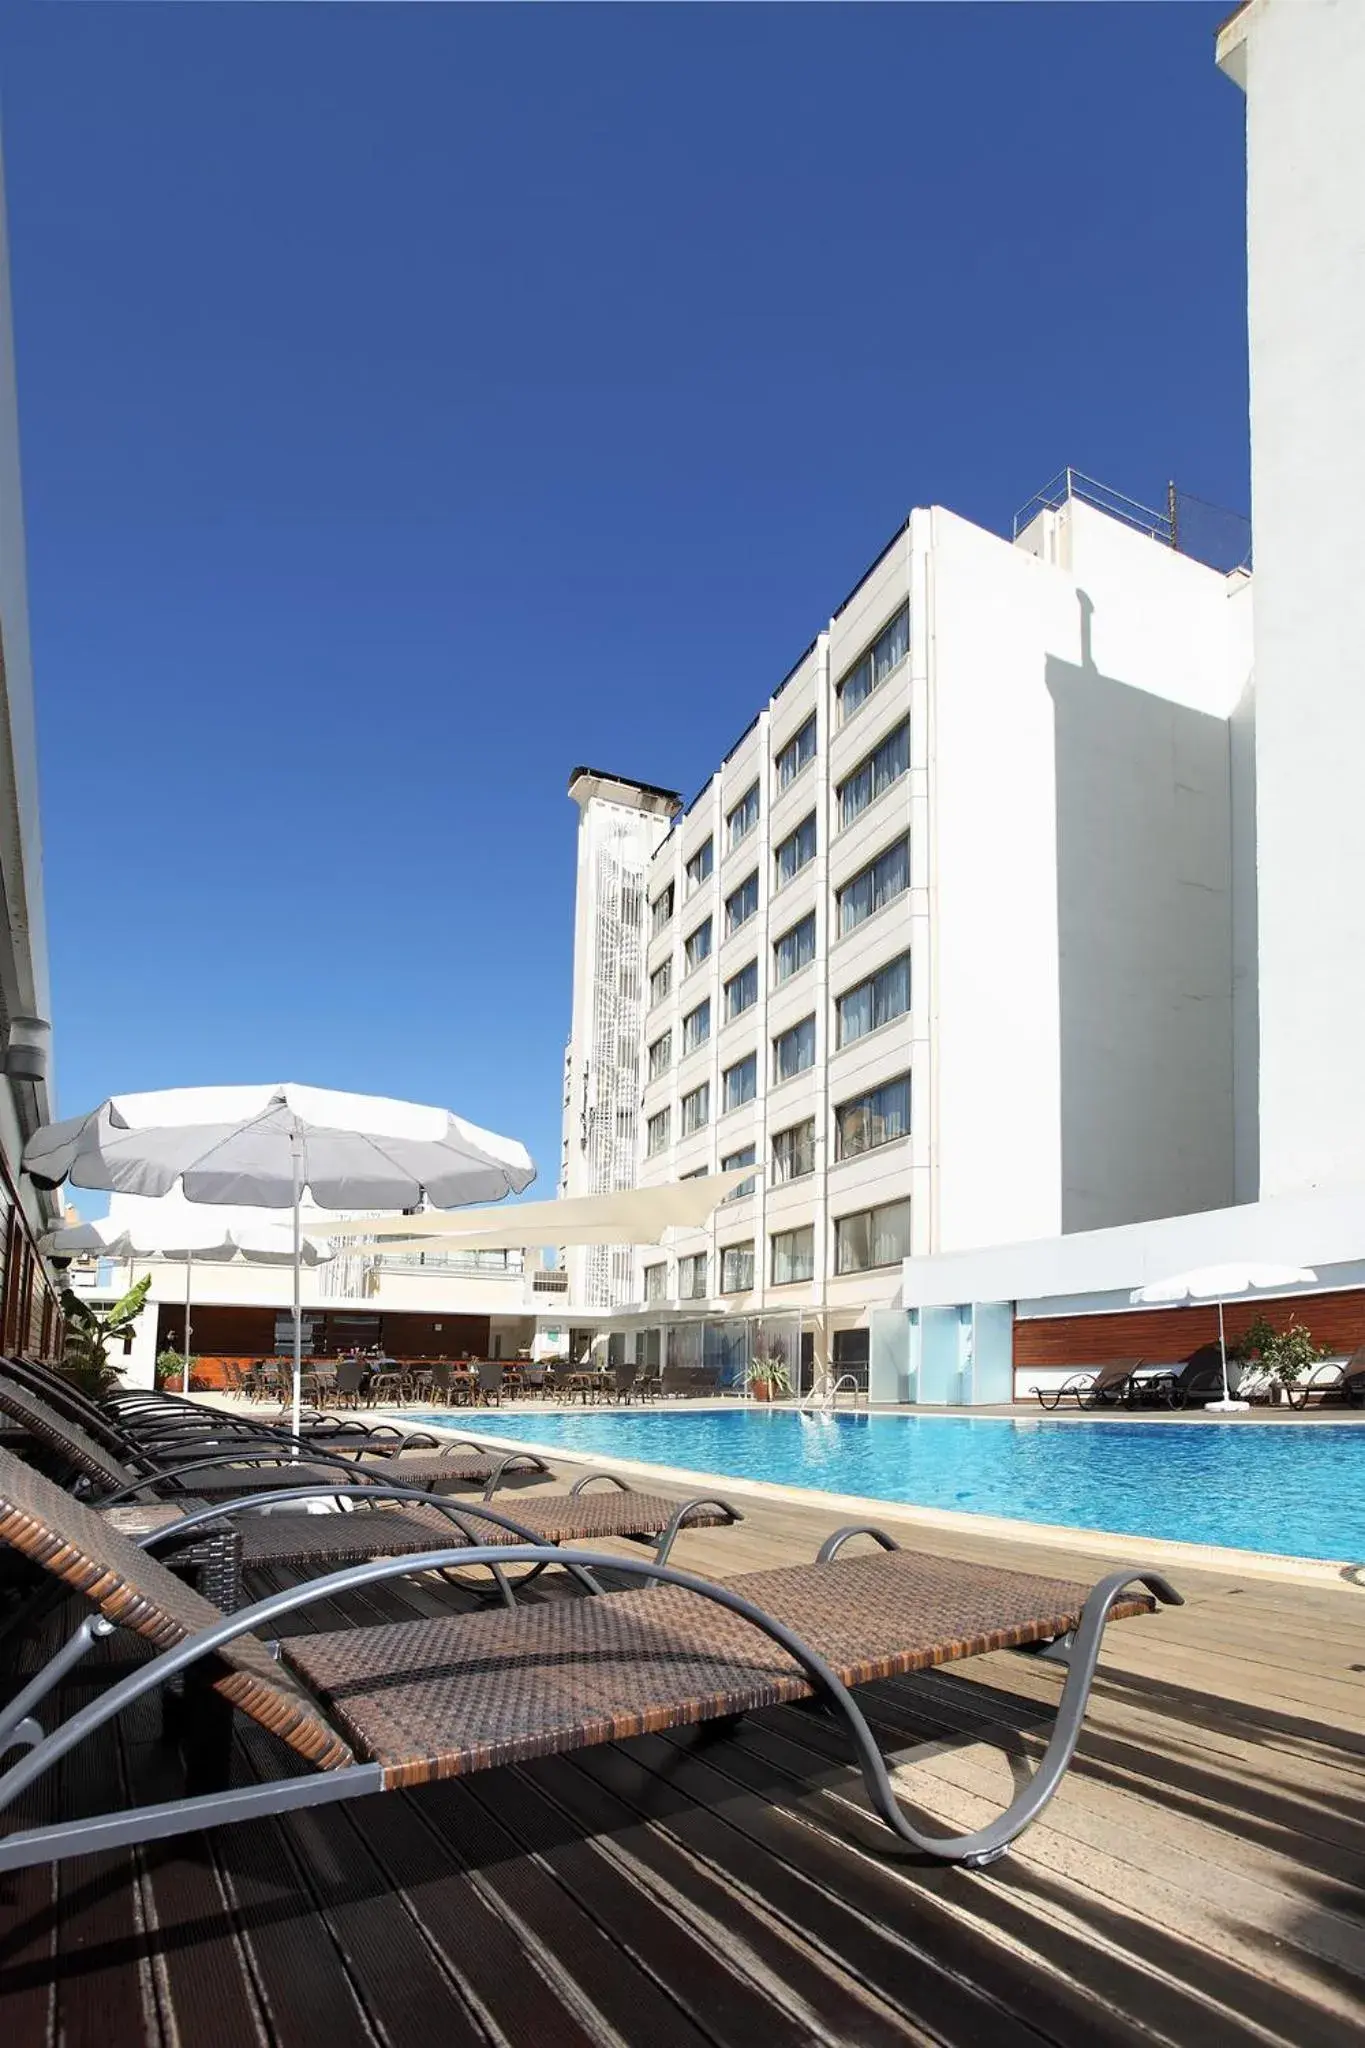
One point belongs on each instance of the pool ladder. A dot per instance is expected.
(826, 1398)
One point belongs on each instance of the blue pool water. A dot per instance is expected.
(1298, 1491)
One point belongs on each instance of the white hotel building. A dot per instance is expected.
(945, 947)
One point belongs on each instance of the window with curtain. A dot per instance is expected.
(794, 1151)
(656, 1282)
(878, 884)
(740, 1082)
(692, 1278)
(794, 950)
(872, 1237)
(741, 991)
(661, 1056)
(740, 822)
(874, 1002)
(793, 1255)
(796, 852)
(698, 869)
(741, 903)
(660, 982)
(697, 946)
(794, 1050)
(656, 1133)
(696, 1027)
(737, 1268)
(886, 653)
(876, 1118)
(661, 911)
(746, 1156)
(696, 1109)
(798, 753)
(873, 776)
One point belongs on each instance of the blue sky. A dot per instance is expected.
(416, 401)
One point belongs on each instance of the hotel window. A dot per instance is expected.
(885, 878)
(798, 753)
(741, 904)
(656, 1133)
(794, 950)
(661, 1056)
(874, 1237)
(741, 992)
(698, 869)
(887, 652)
(656, 1282)
(740, 822)
(696, 1109)
(737, 1268)
(697, 1173)
(794, 1050)
(796, 852)
(794, 1151)
(874, 776)
(696, 1027)
(877, 1118)
(874, 1002)
(697, 946)
(748, 1156)
(692, 1278)
(660, 982)
(740, 1082)
(793, 1255)
(661, 911)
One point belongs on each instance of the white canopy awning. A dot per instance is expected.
(630, 1216)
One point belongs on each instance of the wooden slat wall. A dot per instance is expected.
(1336, 1320)
(233, 1330)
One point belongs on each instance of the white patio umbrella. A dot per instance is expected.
(266, 1145)
(175, 1230)
(1220, 1284)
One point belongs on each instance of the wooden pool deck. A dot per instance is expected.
(1199, 1879)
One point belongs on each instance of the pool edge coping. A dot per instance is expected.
(1215, 1557)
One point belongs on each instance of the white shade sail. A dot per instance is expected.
(241, 1145)
(630, 1216)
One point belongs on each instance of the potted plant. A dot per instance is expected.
(766, 1377)
(91, 1331)
(1284, 1355)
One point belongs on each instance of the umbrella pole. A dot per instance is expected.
(295, 1147)
(1223, 1349)
(189, 1281)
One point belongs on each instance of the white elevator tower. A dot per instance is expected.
(620, 826)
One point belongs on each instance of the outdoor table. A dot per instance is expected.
(212, 1553)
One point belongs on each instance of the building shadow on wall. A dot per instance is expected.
(1144, 931)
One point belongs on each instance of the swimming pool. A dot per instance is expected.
(1255, 1486)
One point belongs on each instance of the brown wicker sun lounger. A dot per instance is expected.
(1093, 1386)
(398, 1705)
(253, 1464)
(400, 1521)
(1342, 1380)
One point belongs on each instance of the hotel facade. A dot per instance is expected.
(945, 948)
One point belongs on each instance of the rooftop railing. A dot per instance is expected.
(1207, 533)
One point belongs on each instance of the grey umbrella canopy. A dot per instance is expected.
(263, 1146)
